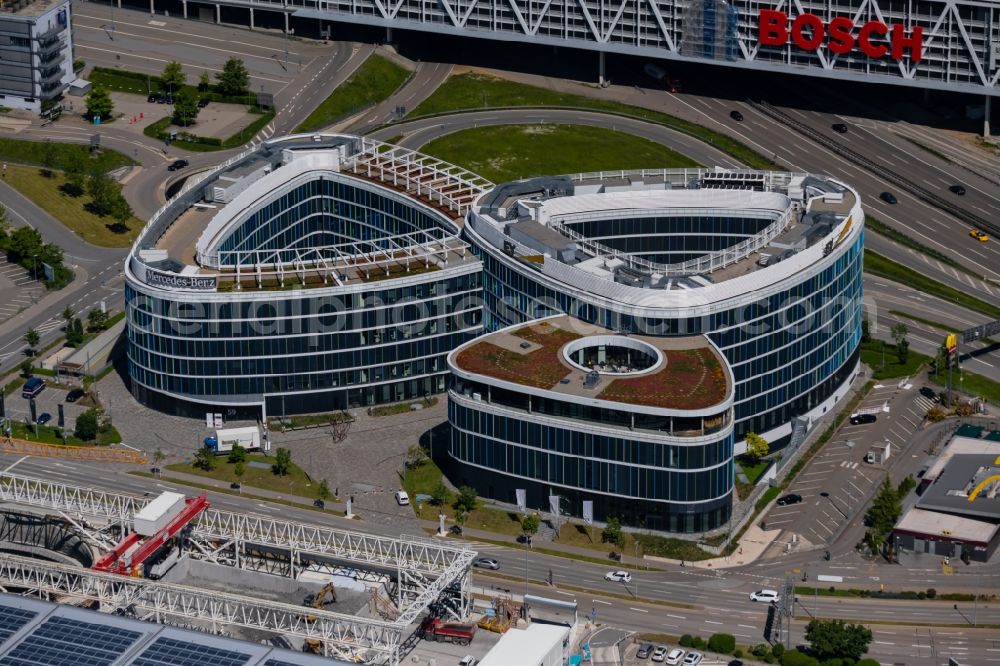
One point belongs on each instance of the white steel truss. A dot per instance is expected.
(347, 637)
(426, 572)
(960, 50)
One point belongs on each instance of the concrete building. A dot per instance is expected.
(36, 53)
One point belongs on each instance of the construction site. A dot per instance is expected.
(175, 560)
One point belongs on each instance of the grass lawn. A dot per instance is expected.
(296, 482)
(31, 152)
(374, 81)
(509, 152)
(872, 354)
(971, 384)
(876, 264)
(424, 479)
(45, 193)
(753, 471)
(478, 91)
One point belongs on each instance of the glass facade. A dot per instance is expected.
(788, 351)
(323, 348)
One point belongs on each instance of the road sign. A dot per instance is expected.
(265, 100)
(95, 141)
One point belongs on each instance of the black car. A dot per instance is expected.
(736, 115)
(203, 102)
(957, 189)
(177, 164)
(74, 395)
(319, 504)
(858, 419)
(840, 128)
(929, 393)
(888, 197)
(43, 418)
(790, 498)
(160, 99)
(152, 98)
(169, 99)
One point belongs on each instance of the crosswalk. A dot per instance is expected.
(847, 464)
(49, 324)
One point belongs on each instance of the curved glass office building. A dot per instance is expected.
(302, 276)
(767, 267)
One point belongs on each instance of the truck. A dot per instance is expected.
(660, 75)
(436, 629)
(224, 438)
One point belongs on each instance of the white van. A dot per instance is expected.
(402, 499)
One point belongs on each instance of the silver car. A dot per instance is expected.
(692, 659)
(486, 563)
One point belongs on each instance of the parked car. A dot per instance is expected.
(486, 563)
(660, 653)
(203, 102)
(736, 115)
(468, 660)
(859, 419)
(790, 498)
(74, 395)
(769, 596)
(644, 651)
(888, 197)
(979, 235)
(160, 99)
(152, 98)
(618, 576)
(169, 99)
(957, 189)
(177, 165)
(840, 128)
(43, 418)
(692, 658)
(319, 504)
(402, 499)
(675, 657)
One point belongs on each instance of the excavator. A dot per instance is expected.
(318, 600)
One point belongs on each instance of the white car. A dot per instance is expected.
(674, 657)
(618, 576)
(468, 660)
(769, 596)
(692, 659)
(660, 653)
(402, 499)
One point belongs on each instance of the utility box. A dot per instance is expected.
(156, 515)
(878, 454)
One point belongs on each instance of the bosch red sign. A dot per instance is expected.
(809, 33)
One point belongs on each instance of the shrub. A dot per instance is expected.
(836, 661)
(796, 658)
(722, 643)
(778, 650)
(698, 643)
(931, 593)
(738, 653)
(867, 662)
(686, 641)
(760, 649)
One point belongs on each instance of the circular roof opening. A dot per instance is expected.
(614, 355)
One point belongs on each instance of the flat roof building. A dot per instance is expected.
(538, 645)
(36, 53)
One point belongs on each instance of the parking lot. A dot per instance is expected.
(46, 402)
(17, 289)
(671, 658)
(835, 485)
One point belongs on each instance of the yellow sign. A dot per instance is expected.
(951, 342)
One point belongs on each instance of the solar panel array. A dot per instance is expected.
(61, 641)
(278, 662)
(172, 652)
(12, 619)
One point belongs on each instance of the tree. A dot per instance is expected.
(204, 82)
(27, 368)
(173, 77)
(4, 222)
(24, 244)
(76, 169)
(158, 457)
(835, 638)
(323, 492)
(899, 333)
(461, 516)
(99, 104)
(185, 109)
(97, 320)
(67, 315)
(439, 494)
(239, 470)
(103, 192)
(204, 459)
(757, 447)
(415, 456)
(885, 509)
(612, 532)
(237, 454)
(31, 338)
(467, 499)
(234, 80)
(282, 462)
(530, 524)
(86, 426)
(74, 332)
(121, 213)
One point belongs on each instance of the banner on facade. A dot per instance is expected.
(522, 500)
(588, 512)
(554, 505)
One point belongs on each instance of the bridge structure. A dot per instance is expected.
(419, 572)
